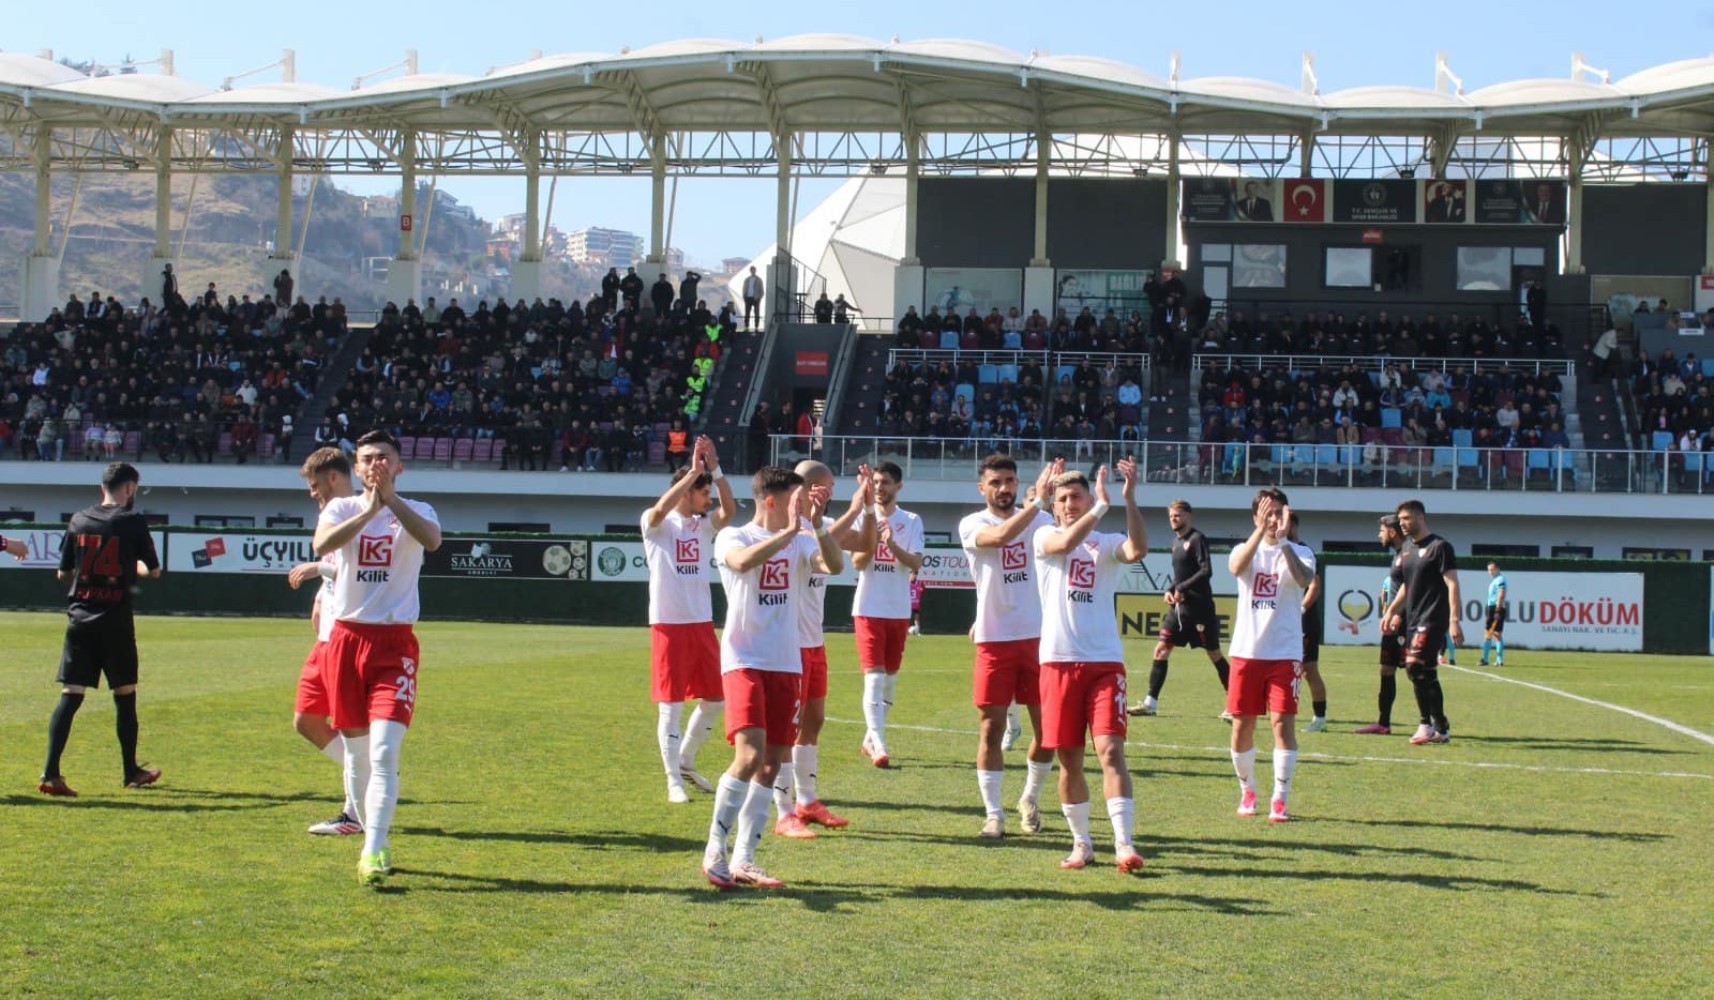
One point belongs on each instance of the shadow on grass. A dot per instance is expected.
(1239, 848)
(1528, 831)
(161, 800)
(649, 842)
(1455, 883)
(1571, 743)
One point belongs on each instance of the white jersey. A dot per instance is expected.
(1077, 587)
(328, 597)
(377, 583)
(762, 604)
(1268, 623)
(679, 577)
(812, 612)
(1007, 604)
(884, 586)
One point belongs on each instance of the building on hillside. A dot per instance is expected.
(609, 247)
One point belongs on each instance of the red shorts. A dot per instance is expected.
(312, 693)
(684, 662)
(881, 642)
(371, 673)
(770, 700)
(814, 672)
(1006, 672)
(1081, 697)
(1261, 687)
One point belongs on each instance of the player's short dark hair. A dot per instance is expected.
(377, 437)
(1414, 506)
(996, 463)
(1273, 493)
(118, 474)
(771, 480)
(325, 460)
(684, 470)
(1183, 505)
(891, 469)
(1390, 521)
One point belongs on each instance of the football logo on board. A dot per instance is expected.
(775, 575)
(1012, 556)
(375, 550)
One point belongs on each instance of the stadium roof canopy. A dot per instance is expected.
(717, 105)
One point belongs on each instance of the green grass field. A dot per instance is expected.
(1554, 848)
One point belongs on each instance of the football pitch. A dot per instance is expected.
(1556, 847)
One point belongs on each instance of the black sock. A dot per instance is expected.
(1437, 706)
(59, 731)
(1389, 693)
(125, 724)
(1424, 701)
(1320, 709)
(1224, 669)
(1157, 678)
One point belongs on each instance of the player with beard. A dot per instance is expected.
(1392, 653)
(1425, 613)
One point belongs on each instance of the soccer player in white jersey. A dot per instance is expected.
(1082, 660)
(1273, 573)
(684, 655)
(998, 541)
(881, 609)
(765, 566)
(370, 666)
(854, 531)
(328, 473)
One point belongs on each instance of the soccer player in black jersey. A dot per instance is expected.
(1190, 619)
(1392, 652)
(1426, 609)
(1312, 631)
(106, 548)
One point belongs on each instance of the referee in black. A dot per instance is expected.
(1191, 619)
(106, 548)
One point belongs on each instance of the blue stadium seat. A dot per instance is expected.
(1708, 367)
(1463, 438)
(1303, 456)
(1443, 459)
(1009, 373)
(1281, 455)
(966, 392)
(988, 374)
(1536, 460)
(1392, 416)
(1327, 456)
(1468, 458)
(1662, 441)
(949, 340)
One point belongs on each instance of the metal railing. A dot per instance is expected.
(1516, 470)
(1379, 362)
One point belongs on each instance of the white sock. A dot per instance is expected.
(1120, 810)
(752, 817)
(989, 784)
(1285, 762)
(1245, 764)
(703, 718)
(1077, 815)
(873, 713)
(1039, 770)
(357, 773)
(386, 738)
(728, 796)
(335, 749)
(892, 686)
(783, 790)
(667, 735)
(1012, 717)
(804, 759)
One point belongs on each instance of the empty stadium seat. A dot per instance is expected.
(407, 448)
(1392, 416)
(462, 450)
(443, 449)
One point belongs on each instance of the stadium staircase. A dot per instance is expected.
(334, 372)
(865, 386)
(723, 412)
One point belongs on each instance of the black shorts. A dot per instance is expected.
(1496, 620)
(1192, 625)
(1424, 645)
(90, 653)
(1312, 638)
(1392, 651)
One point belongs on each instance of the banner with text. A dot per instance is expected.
(43, 545)
(237, 552)
(466, 558)
(1120, 291)
(1595, 611)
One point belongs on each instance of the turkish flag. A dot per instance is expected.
(1305, 200)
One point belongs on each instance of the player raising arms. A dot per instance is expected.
(1082, 660)
(1392, 654)
(881, 608)
(328, 473)
(999, 542)
(106, 547)
(1190, 618)
(765, 566)
(370, 665)
(1424, 613)
(1272, 573)
(684, 656)
(855, 531)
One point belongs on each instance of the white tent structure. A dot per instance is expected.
(847, 245)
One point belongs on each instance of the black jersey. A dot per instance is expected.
(1192, 576)
(1423, 565)
(102, 547)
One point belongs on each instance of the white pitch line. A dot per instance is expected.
(1682, 730)
(1436, 762)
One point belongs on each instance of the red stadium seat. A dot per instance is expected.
(462, 450)
(443, 450)
(407, 448)
(482, 450)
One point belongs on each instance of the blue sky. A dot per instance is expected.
(1355, 44)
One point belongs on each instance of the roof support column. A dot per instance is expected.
(283, 210)
(657, 198)
(1305, 154)
(404, 273)
(1708, 210)
(782, 276)
(1044, 152)
(1174, 230)
(44, 191)
(913, 173)
(526, 282)
(164, 194)
(41, 271)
